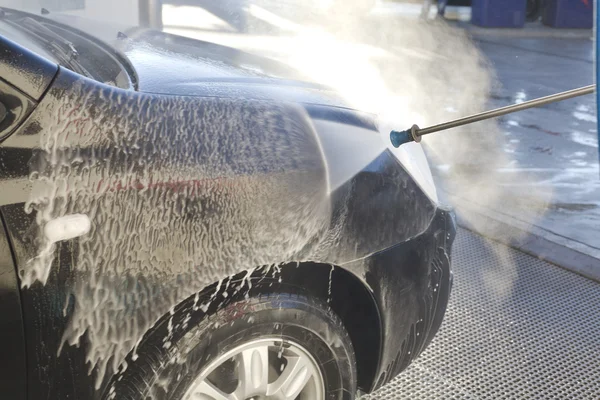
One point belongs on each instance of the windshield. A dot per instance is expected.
(67, 48)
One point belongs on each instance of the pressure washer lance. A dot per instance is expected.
(414, 134)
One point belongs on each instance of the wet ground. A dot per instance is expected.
(555, 145)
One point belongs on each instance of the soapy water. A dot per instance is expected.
(175, 203)
(158, 203)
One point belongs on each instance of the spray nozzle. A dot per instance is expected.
(415, 133)
(398, 138)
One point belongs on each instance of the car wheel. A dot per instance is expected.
(274, 346)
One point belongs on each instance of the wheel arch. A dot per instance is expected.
(352, 300)
(348, 296)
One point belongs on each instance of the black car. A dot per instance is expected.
(184, 220)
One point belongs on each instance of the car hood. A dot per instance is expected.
(176, 65)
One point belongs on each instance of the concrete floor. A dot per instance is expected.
(555, 146)
(549, 179)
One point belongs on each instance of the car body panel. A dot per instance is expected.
(184, 191)
(12, 336)
(413, 281)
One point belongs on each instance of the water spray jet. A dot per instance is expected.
(398, 138)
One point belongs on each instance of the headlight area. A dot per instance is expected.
(350, 142)
(413, 159)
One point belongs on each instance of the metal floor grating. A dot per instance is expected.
(516, 328)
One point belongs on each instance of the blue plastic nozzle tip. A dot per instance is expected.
(399, 138)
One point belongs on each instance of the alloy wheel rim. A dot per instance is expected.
(261, 369)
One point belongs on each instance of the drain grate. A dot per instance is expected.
(516, 328)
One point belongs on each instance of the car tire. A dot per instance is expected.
(195, 357)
